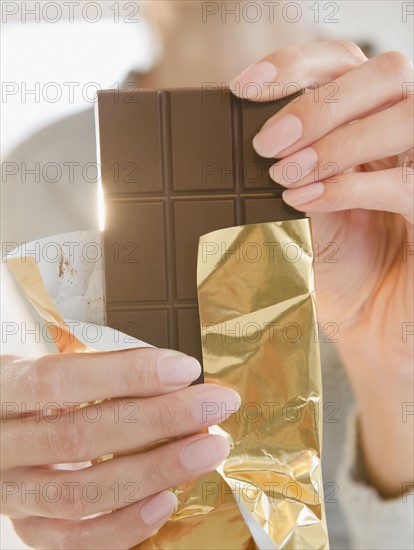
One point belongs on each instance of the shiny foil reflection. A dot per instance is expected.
(259, 336)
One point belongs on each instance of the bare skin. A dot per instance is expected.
(356, 182)
(46, 504)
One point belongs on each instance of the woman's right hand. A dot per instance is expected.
(149, 402)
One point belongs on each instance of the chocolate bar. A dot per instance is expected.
(176, 164)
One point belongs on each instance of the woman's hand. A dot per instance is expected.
(150, 402)
(346, 150)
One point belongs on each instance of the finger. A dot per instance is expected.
(304, 67)
(350, 145)
(385, 190)
(115, 426)
(311, 117)
(80, 377)
(118, 530)
(115, 483)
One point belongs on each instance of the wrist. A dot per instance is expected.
(385, 428)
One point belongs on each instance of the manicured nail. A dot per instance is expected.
(205, 452)
(177, 369)
(158, 507)
(251, 82)
(302, 195)
(276, 136)
(295, 167)
(215, 405)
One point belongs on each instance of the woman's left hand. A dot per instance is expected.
(346, 150)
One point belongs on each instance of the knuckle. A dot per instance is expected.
(325, 107)
(45, 379)
(135, 371)
(68, 502)
(71, 539)
(329, 109)
(165, 416)
(131, 377)
(67, 441)
(343, 139)
(157, 474)
(396, 63)
(353, 53)
(169, 412)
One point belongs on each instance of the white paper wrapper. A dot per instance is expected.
(71, 267)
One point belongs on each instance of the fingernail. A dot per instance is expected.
(294, 168)
(215, 405)
(177, 369)
(254, 79)
(158, 507)
(308, 193)
(276, 136)
(205, 452)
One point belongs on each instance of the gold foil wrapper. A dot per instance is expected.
(207, 517)
(257, 306)
(258, 317)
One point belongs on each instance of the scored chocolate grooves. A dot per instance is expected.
(237, 149)
(169, 135)
(166, 155)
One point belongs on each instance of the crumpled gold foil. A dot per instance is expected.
(207, 518)
(258, 317)
(259, 335)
